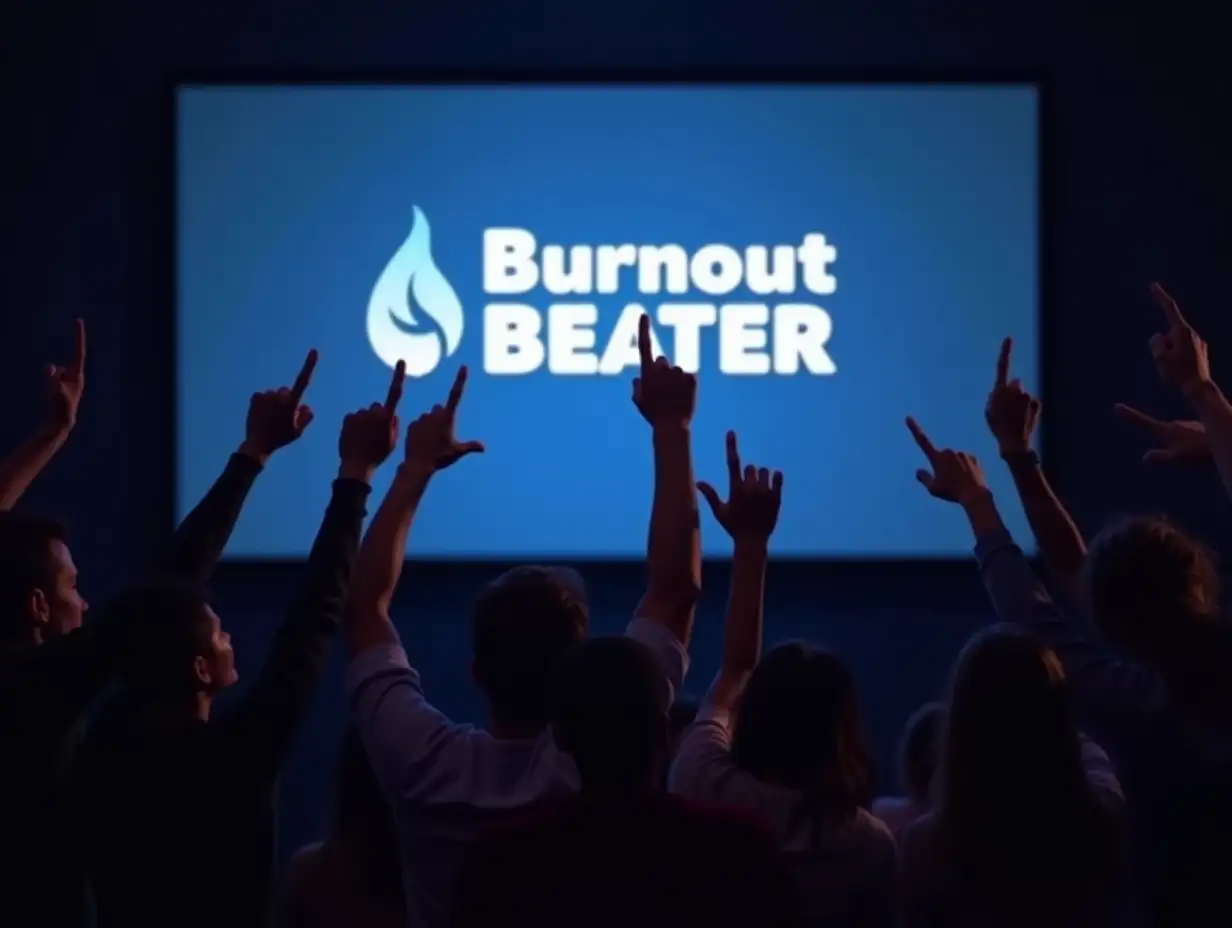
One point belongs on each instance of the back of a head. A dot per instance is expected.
(610, 705)
(1012, 795)
(25, 565)
(919, 750)
(359, 798)
(523, 623)
(799, 726)
(1148, 581)
(363, 820)
(164, 626)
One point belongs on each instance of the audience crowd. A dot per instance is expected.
(1077, 773)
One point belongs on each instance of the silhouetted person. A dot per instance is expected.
(448, 781)
(1028, 825)
(918, 751)
(1154, 685)
(353, 878)
(781, 735)
(178, 801)
(53, 666)
(622, 852)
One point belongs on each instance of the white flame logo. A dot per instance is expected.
(411, 274)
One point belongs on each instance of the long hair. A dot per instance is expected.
(1155, 593)
(918, 751)
(799, 726)
(362, 821)
(1017, 820)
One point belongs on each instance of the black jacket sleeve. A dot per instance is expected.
(261, 728)
(199, 540)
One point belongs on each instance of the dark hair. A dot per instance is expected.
(609, 712)
(1155, 593)
(522, 624)
(799, 726)
(1148, 580)
(163, 626)
(918, 750)
(363, 820)
(1014, 809)
(25, 564)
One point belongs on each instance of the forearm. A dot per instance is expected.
(742, 635)
(300, 651)
(1215, 413)
(1060, 541)
(674, 545)
(199, 540)
(380, 562)
(24, 464)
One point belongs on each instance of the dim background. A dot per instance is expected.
(1140, 190)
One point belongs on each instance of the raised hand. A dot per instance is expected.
(1011, 412)
(753, 499)
(955, 477)
(1181, 440)
(663, 394)
(370, 435)
(1179, 353)
(276, 417)
(66, 383)
(430, 441)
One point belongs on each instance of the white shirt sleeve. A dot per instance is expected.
(670, 650)
(703, 768)
(410, 744)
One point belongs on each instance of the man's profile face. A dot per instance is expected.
(62, 607)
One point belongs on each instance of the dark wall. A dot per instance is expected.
(1140, 192)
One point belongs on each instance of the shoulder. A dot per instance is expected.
(918, 840)
(895, 812)
(306, 857)
(304, 870)
(871, 829)
(886, 804)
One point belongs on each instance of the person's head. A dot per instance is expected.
(799, 726)
(1008, 722)
(1012, 799)
(610, 713)
(1149, 583)
(363, 819)
(523, 623)
(175, 648)
(918, 751)
(38, 580)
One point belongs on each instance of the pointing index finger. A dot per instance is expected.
(930, 450)
(394, 396)
(733, 461)
(643, 343)
(305, 375)
(1003, 362)
(79, 348)
(455, 392)
(1172, 312)
(1129, 414)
